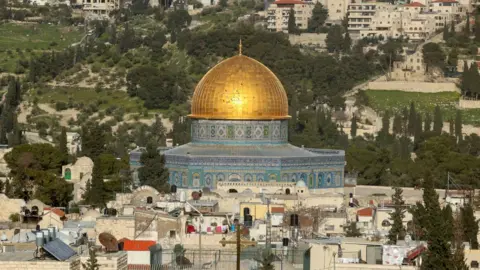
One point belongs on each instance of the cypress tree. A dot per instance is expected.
(97, 191)
(347, 43)
(437, 121)
(15, 137)
(292, 25)
(153, 171)
(473, 79)
(447, 214)
(465, 79)
(477, 28)
(438, 255)
(412, 116)
(404, 148)
(458, 125)
(469, 225)
(452, 28)
(428, 123)
(451, 127)
(385, 123)
(397, 231)
(62, 143)
(418, 129)
(446, 34)
(92, 262)
(397, 125)
(405, 120)
(353, 127)
(467, 26)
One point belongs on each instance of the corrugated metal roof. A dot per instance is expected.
(59, 250)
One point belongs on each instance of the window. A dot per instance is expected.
(149, 200)
(68, 174)
(474, 264)
(329, 227)
(173, 234)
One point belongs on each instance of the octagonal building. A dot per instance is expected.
(240, 136)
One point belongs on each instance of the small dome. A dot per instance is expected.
(84, 161)
(301, 184)
(240, 88)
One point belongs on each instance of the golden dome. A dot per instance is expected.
(240, 88)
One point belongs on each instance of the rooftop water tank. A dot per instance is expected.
(183, 196)
(39, 239)
(46, 235)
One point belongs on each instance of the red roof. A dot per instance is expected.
(415, 4)
(138, 267)
(57, 211)
(137, 245)
(365, 212)
(288, 2)
(278, 210)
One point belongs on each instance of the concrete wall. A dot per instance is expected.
(138, 257)
(423, 87)
(469, 104)
(109, 261)
(73, 264)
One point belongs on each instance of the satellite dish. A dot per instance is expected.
(109, 242)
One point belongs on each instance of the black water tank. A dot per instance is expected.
(248, 220)
(294, 220)
(285, 242)
(246, 211)
(173, 189)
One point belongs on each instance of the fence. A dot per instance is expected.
(250, 259)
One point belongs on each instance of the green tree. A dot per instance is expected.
(52, 190)
(458, 125)
(97, 194)
(477, 28)
(469, 225)
(397, 231)
(319, 16)
(473, 77)
(451, 127)
(453, 57)
(62, 144)
(467, 26)
(292, 25)
(412, 117)
(353, 127)
(153, 171)
(223, 3)
(439, 255)
(347, 43)
(352, 231)
(92, 261)
(447, 214)
(437, 120)
(397, 125)
(94, 139)
(418, 129)
(433, 56)
(334, 39)
(446, 34)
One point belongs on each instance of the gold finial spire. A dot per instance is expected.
(240, 47)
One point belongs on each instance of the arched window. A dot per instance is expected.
(68, 174)
(232, 190)
(34, 210)
(149, 200)
(287, 191)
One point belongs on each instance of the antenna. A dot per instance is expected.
(108, 241)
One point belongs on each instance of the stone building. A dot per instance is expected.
(240, 135)
(78, 173)
(278, 12)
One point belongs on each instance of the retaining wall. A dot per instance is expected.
(423, 87)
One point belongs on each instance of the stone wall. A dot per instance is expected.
(423, 87)
(73, 264)
(309, 39)
(119, 227)
(468, 104)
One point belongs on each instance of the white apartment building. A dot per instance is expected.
(445, 7)
(278, 12)
(413, 8)
(100, 8)
(361, 16)
(337, 10)
(419, 29)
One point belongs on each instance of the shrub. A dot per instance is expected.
(15, 217)
(96, 68)
(60, 106)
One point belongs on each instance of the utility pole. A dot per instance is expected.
(238, 245)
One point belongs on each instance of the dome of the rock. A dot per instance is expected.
(240, 88)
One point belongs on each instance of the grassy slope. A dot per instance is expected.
(15, 39)
(395, 101)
